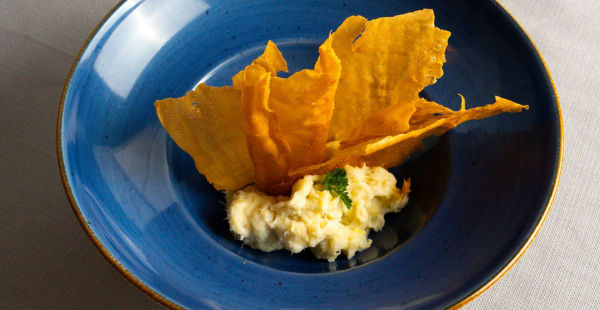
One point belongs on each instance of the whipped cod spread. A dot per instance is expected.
(315, 218)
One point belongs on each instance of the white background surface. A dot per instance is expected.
(47, 261)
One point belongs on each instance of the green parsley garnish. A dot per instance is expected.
(336, 182)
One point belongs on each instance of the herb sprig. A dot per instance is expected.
(336, 181)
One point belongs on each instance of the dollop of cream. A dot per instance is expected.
(316, 218)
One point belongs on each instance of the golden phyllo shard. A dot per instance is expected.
(385, 61)
(269, 151)
(271, 60)
(301, 107)
(392, 150)
(207, 124)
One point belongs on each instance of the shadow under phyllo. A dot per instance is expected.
(428, 171)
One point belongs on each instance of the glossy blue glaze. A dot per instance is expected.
(478, 191)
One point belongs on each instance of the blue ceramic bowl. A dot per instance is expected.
(480, 194)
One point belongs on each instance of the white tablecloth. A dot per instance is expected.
(47, 261)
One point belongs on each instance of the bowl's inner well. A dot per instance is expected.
(428, 173)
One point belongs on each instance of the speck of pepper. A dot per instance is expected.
(242, 280)
(344, 4)
(206, 12)
(279, 283)
(233, 37)
(473, 163)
